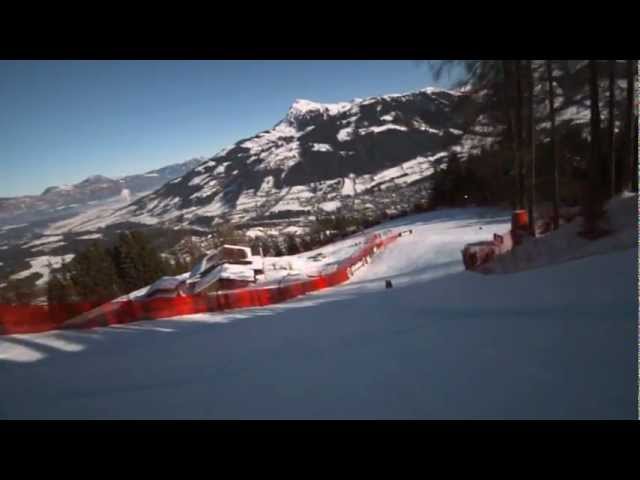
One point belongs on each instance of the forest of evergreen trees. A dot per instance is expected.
(100, 274)
(535, 161)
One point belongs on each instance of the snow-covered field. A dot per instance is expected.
(555, 342)
(43, 240)
(93, 218)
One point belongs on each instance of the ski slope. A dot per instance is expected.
(552, 343)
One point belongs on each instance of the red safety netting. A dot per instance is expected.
(39, 318)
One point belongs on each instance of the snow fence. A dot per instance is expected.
(39, 318)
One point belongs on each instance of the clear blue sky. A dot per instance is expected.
(61, 121)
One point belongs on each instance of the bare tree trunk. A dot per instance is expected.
(591, 200)
(554, 155)
(532, 143)
(519, 134)
(509, 70)
(508, 99)
(612, 126)
(632, 127)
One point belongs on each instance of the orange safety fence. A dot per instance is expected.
(40, 318)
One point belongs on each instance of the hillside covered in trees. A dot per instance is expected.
(542, 159)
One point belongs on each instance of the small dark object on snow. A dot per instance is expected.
(388, 284)
(480, 228)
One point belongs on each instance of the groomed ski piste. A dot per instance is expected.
(558, 342)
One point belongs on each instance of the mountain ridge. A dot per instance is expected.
(91, 189)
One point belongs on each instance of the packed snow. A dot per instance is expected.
(219, 170)
(348, 187)
(91, 236)
(47, 247)
(382, 128)
(553, 343)
(321, 147)
(303, 108)
(345, 134)
(93, 218)
(197, 180)
(565, 244)
(43, 240)
(11, 227)
(330, 206)
(294, 199)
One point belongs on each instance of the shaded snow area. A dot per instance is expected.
(565, 244)
(92, 218)
(552, 343)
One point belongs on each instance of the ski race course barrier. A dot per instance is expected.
(39, 318)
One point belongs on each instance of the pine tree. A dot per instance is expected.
(277, 249)
(126, 261)
(292, 245)
(58, 290)
(267, 247)
(59, 297)
(554, 154)
(592, 198)
(632, 128)
(179, 266)
(93, 274)
(137, 262)
(19, 292)
(151, 264)
(531, 124)
(306, 244)
(519, 134)
(5, 297)
(227, 234)
(612, 128)
(256, 246)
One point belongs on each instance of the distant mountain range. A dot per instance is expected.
(57, 199)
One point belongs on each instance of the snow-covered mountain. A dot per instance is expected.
(320, 157)
(56, 200)
(368, 154)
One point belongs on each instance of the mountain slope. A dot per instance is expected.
(319, 157)
(96, 188)
(369, 154)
